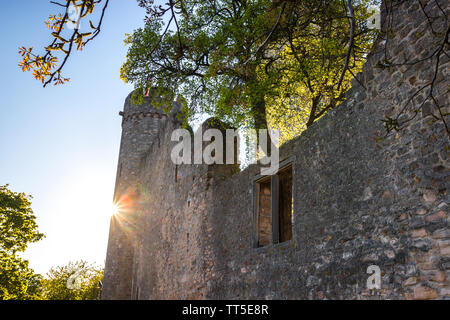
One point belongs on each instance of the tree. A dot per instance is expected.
(209, 59)
(232, 57)
(438, 29)
(18, 228)
(227, 56)
(73, 281)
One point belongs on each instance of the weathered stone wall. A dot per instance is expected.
(358, 201)
(141, 126)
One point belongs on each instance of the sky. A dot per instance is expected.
(60, 144)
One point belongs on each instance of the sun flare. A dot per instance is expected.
(114, 209)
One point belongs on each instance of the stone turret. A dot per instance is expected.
(358, 201)
(141, 126)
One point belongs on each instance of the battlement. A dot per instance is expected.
(156, 103)
(141, 115)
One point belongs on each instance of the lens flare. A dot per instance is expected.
(114, 209)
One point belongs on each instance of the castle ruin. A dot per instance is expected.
(212, 232)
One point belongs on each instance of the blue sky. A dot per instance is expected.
(60, 144)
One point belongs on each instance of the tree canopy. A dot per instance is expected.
(241, 60)
(74, 281)
(248, 62)
(18, 228)
(233, 59)
(66, 34)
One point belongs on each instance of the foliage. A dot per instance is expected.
(226, 57)
(18, 228)
(73, 281)
(438, 25)
(45, 66)
(314, 57)
(17, 280)
(207, 60)
(240, 60)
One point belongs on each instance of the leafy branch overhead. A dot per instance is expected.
(66, 33)
(227, 57)
(245, 61)
(262, 63)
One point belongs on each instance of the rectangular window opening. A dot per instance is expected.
(274, 208)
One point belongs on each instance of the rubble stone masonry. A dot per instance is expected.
(187, 231)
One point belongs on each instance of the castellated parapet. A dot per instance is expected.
(188, 231)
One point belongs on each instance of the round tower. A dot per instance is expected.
(141, 126)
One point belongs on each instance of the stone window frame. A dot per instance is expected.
(289, 162)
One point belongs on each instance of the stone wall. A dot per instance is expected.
(141, 126)
(358, 201)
